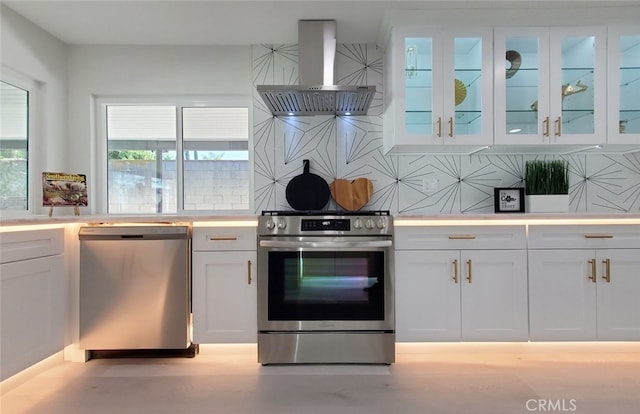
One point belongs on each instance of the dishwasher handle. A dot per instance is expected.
(134, 233)
(135, 237)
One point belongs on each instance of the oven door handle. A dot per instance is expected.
(331, 244)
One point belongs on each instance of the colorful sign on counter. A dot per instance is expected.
(61, 189)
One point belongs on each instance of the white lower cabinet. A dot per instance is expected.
(494, 295)
(470, 293)
(562, 298)
(587, 292)
(427, 299)
(618, 295)
(573, 296)
(224, 285)
(33, 290)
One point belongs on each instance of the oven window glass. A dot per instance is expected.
(326, 285)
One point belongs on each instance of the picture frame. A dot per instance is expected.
(508, 200)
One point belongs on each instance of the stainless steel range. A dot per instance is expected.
(325, 287)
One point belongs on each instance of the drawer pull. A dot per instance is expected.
(593, 270)
(455, 271)
(598, 236)
(461, 237)
(223, 238)
(607, 270)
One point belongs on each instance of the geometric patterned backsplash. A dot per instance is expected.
(349, 148)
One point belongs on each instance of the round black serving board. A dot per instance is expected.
(307, 191)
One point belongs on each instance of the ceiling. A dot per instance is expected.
(218, 22)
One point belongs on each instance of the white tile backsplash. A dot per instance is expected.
(350, 148)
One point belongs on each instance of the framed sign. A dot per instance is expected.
(61, 189)
(508, 200)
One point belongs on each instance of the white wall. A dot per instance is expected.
(29, 52)
(102, 71)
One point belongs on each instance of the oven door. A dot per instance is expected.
(325, 284)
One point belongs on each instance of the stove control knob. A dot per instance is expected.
(369, 224)
(357, 224)
(282, 224)
(270, 224)
(380, 224)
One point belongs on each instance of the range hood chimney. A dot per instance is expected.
(317, 94)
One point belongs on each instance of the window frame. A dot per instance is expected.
(180, 102)
(35, 159)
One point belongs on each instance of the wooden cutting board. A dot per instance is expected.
(351, 195)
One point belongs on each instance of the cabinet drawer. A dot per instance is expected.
(460, 237)
(224, 238)
(29, 244)
(584, 236)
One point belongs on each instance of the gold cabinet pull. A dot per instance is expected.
(461, 237)
(455, 271)
(593, 270)
(439, 123)
(598, 236)
(450, 127)
(607, 270)
(248, 272)
(223, 238)
(469, 268)
(545, 127)
(558, 129)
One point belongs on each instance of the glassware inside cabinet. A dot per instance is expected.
(419, 85)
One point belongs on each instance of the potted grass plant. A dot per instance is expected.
(547, 186)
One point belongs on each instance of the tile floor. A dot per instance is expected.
(427, 378)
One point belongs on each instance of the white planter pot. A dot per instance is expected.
(553, 203)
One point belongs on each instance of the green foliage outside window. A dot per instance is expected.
(132, 155)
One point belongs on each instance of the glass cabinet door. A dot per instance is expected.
(553, 89)
(468, 105)
(578, 91)
(419, 85)
(624, 86)
(447, 85)
(629, 112)
(578, 60)
(522, 85)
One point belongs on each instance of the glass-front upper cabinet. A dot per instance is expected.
(550, 85)
(624, 85)
(439, 89)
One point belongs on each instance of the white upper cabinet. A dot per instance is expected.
(440, 89)
(624, 85)
(550, 85)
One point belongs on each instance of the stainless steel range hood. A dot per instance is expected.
(316, 94)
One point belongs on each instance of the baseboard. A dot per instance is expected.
(34, 370)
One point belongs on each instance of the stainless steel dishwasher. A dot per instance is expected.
(134, 287)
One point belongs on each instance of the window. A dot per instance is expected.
(14, 147)
(216, 166)
(145, 176)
